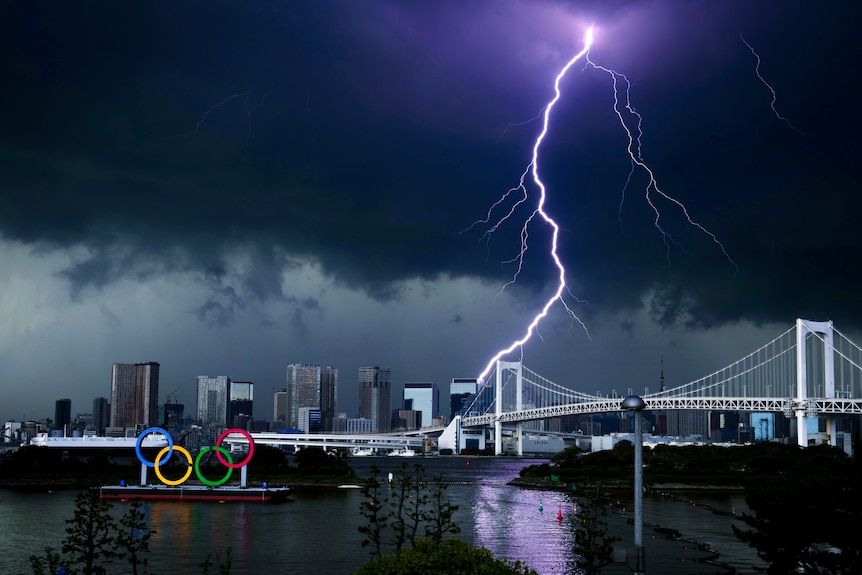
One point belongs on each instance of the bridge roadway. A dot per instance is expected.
(811, 406)
(379, 441)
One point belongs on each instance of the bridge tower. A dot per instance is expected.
(805, 406)
(517, 368)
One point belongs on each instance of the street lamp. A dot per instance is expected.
(636, 404)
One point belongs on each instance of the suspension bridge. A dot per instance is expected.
(809, 371)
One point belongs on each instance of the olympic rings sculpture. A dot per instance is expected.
(222, 454)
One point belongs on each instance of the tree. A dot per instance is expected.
(133, 536)
(440, 513)
(802, 511)
(50, 564)
(223, 566)
(316, 461)
(452, 557)
(90, 533)
(567, 457)
(405, 505)
(415, 508)
(396, 517)
(593, 547)
(372, 509)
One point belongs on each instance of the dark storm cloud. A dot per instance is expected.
(162, 137)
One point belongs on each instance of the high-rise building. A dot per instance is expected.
(406, 419)
(213, 400)
(309, 420)
(423, 397)
(339, 423)
(279, 408)
(83, 424)
(328, 398)
(359, 425)
(461, 391)
(63, 415)
(241, 402)
(135, 394)
(101, 414)
(172, 416)
(303, 390)
(375, 396)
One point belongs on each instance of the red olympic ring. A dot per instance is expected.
(245, 461)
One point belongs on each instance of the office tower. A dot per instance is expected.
(375, 396)
(303, 390)
(63, 415)
(339, 423)
(461, 392)
(172, 417)
(406, 419)
(279, 408)
(213, 400)
(101, 414)
(135, 394)
(328, 397)
(359, 425)
(309, 420)
(241, 401)
(423, 397)
(83, 424)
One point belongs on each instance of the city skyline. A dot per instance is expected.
(313, 183)
(215, 393)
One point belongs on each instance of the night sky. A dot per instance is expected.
(230, 187)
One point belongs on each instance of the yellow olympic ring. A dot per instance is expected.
(182, 450)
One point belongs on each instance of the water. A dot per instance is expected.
(317, 531)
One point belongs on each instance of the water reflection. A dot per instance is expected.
(318, 530)
(522, 525)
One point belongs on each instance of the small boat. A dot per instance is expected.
(406, 452)
(361, 452)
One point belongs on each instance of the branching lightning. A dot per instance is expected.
(633, 127)
(249, 110)
(533, 170)
(770, 88)
(634, 151)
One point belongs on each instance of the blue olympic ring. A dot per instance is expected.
(141, 438)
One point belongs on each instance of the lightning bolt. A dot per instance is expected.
(631, 122)
(634, 148)
(210, 110)
(770, 88)
(533, 171)
(249, 110)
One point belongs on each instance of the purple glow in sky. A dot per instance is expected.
(317, 215)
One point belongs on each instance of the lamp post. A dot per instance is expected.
(635, 404)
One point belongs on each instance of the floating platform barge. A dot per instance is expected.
(195, 493)
(207, 490)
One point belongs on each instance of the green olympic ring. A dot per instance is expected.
(221, 452)
(200, 475)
